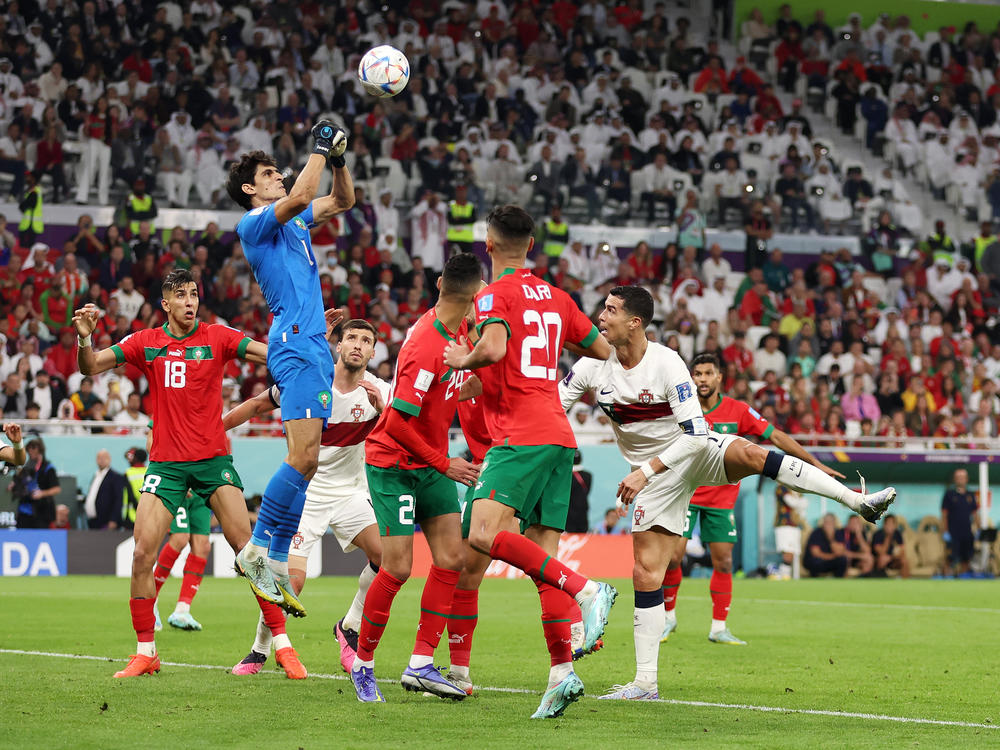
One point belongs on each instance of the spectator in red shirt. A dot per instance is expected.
(139, 64)
(738, 354)
(61, 358)
(49, 160)
(629, 15)
(564, 13)
(743, 79)
(712, 73)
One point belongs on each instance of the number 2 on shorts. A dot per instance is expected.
(406, 505)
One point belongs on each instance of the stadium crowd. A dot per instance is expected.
(586, 111)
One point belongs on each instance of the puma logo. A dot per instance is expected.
(562, 580)
(456, 638)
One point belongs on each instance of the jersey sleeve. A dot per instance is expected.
(681, 394)
(412, 383)
(308, 217)
(578, 381)
(492, 307)
(234, 342)
(259, 225)
(752, 423)
(580, 330)
(130, 349)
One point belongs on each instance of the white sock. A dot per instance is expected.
(802, 477)
(418, 660)
(647, 627)
(262, 644)
(785, 570)
(278, 567)
(182, 608)
(352, 620)
(254, 551)
(670, 617)
(588, 590)
(717, 626)
(560, 672)
(359, 663)
(282, 641)
(146, 648)
(462, 672)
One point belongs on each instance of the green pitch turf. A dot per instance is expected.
(917, 651)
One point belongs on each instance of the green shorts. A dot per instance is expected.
(404, 496)
(193, 517)
(534, 480)
(171, 480)
(717, 524)
(470, 492)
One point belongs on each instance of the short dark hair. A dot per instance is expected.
(175, 279)
(511, 222)
(638, 302)
(707, 358)
(243, 172)
(359, 324)
(462, 274)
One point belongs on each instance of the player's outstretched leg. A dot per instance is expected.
(252, 565)
(564, 686)
(346, 630)
(435, 608)
(278, 552)
(194, 571)
(253, 662)
(802, 477)
(671, 583)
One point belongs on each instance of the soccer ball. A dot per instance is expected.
(384, 71)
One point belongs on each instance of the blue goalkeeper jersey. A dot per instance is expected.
(283, 263)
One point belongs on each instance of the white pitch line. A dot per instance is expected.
(523, 691)
(880, 605)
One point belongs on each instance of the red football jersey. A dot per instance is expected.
(520, 392)
(423, 387)
(730, 417)
(472, 417)
(185, 382)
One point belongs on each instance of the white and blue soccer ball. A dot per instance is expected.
(384, 71)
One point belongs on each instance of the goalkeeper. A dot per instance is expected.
(275, 237)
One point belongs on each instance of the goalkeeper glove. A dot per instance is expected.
(330, 142)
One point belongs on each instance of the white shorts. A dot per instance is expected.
(788, 539)
(348, 514)
(664, 501)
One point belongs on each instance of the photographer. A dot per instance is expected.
(35, 484)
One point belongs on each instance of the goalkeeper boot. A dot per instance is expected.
(252, 663)
(288, 660)
(348, 640)
(365, 685)
(140, 665)
(290, 603)
(183, 621)
(724, 636)
(595, 610)
(429, 679)
(873, 506)
(631, 692)
(558, 697)
(261, 579)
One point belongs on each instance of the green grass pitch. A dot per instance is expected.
(823, 657)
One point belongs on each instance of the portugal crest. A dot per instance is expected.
(639, 514)
(357, 412)
(645, 397)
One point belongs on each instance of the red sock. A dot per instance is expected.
(274, 618)
(435, 609)
(378, 602)
(671, 582)
(166, 560)
(143, 619)
(461, 625)
(194, 569)
(556, 616)
(523, 553)
(721, 588)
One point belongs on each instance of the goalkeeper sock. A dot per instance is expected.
(286, 493)
(164, 563)
(721, 588)
(648, 622)
(795, 474)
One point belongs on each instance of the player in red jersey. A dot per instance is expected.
(524, 323)
(183, 362)
(412, 480)
(713, 506)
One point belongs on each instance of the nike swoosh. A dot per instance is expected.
(607, 392)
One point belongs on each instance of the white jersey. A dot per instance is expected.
(342, 448)
(646, 404)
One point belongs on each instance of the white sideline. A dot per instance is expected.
(522, 691)
(879, 605)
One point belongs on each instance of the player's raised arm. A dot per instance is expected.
(89, 361)
(491, 347)
(262, 403)
(341, 197)
(14, 453)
